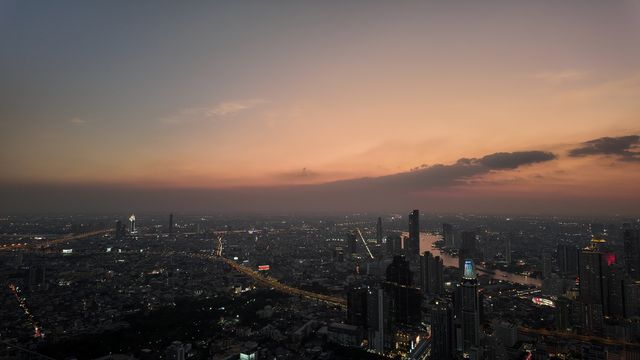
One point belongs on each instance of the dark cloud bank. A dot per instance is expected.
(626, 148)
(397, 191)
(419, 188)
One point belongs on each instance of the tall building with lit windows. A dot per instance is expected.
(470, 308)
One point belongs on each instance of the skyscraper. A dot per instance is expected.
(119, 230)
(170, 223)
(431, 274)
(413, 247)
(593, 288)
(470, 307)
(468, 248)
(567, 259)
(379, 231)
(507, 249)
(442, 330)
(406, 298)
(352, 242)
(357, 306)
(631, 238)
(380, 326)
(132, 223)
(447, 235)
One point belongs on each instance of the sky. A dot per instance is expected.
(490, 107)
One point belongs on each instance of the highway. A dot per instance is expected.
(571, 336)
(47, 243)
(276, 285)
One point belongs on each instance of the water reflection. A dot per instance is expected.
(426, 244)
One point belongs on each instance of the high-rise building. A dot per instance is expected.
(380, 326)
(379, 231)
(132, 223)
(352, 242)
(394, 244)
(357, 306)
(412, 248)
(170, 223)
(593, 287)
(431, 274)
(507, 249)
(567, 259)
(442, 330)
(399, 271)
(447, 235)
(406, 298)
(119, 230)
(468, 248)
(631, 238)
(470, 308)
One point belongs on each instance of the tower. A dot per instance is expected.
(631, 238)
(447, 235)
(442, 330)
(119, 230)
(352, 242)
(413, 247)
(132, 223)
(431, 274)
(170, 223)
(379, 231)
(470, 308)
(379, 320)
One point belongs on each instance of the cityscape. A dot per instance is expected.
(402, 286)
(336, 179)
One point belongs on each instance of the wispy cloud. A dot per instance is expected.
(561, 77)
(235, 106)
(222, 109)
(78, 121)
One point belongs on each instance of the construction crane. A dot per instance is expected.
(365, 243)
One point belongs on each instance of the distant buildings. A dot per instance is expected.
(170, 223)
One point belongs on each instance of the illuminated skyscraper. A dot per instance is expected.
(468, 248)
(412, 248)
(470, 308)
(132, 223)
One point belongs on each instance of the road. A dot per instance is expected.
(276, 285)
(47, 243)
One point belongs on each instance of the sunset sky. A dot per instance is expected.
(320, 106)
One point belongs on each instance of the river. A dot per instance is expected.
(426, 244)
